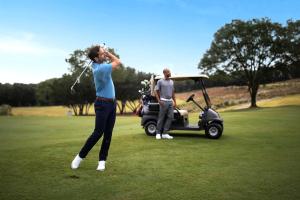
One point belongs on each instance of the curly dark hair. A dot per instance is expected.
(93, 52)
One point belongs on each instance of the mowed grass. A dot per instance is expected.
(256, 158)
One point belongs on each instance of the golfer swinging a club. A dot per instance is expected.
(105, 105)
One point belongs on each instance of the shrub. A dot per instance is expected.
(5, 109)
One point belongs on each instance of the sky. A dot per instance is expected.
(37, 36)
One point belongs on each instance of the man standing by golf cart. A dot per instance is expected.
(105, 105)
(164, 92)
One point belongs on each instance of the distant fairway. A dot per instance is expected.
(289, 100)
(60, 111)
(51, 111)
(256, 158)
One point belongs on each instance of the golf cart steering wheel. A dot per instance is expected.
(190, 98)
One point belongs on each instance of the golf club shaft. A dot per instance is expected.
(78, 78)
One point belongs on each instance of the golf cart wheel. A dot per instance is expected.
(150, 128)
(214, 131)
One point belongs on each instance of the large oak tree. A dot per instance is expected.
(248, 46)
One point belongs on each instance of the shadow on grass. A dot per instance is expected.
(196, 135)
(190, 135)
(72, 177)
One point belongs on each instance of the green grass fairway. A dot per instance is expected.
(258, 157)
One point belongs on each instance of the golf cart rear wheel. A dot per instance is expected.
(214, 131)
(150, 128)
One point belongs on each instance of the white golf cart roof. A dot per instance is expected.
(184, 77)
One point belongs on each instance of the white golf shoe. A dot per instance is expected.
(76, 162)
(158, 136)
(166, 136)
(101, 165)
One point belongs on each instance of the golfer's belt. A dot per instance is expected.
(104, 99)
(163, 99)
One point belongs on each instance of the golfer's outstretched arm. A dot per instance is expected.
(115, 62)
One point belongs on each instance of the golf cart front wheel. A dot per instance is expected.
(214, 131)
(150, 128)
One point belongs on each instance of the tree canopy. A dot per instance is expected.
(251, 47)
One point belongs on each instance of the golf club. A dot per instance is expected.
(78, 78)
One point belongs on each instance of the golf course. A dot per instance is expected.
(150, 100)
(257, 157)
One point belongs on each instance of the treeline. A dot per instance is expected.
(127, 80)
(57, 91)
(18, 94)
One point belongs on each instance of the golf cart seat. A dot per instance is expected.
(180, 117)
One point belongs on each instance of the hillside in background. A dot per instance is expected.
(222, 97)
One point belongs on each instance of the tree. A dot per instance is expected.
(85, 91)
(292, 45)
(44, 93)
(249, 46)
(18, 94)
(6, 91)
(127, 83)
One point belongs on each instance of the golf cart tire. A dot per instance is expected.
(150, 128)
(214, 130)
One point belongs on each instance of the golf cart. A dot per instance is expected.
(209, 119)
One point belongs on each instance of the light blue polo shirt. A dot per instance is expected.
(103, 81)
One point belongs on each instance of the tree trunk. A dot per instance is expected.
(253, 100)
(87, 108)
(74, 109)
(123, 107)
(253, 93)
(81, 109)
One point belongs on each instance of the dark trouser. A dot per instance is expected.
(105, 121)
(165, 117)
